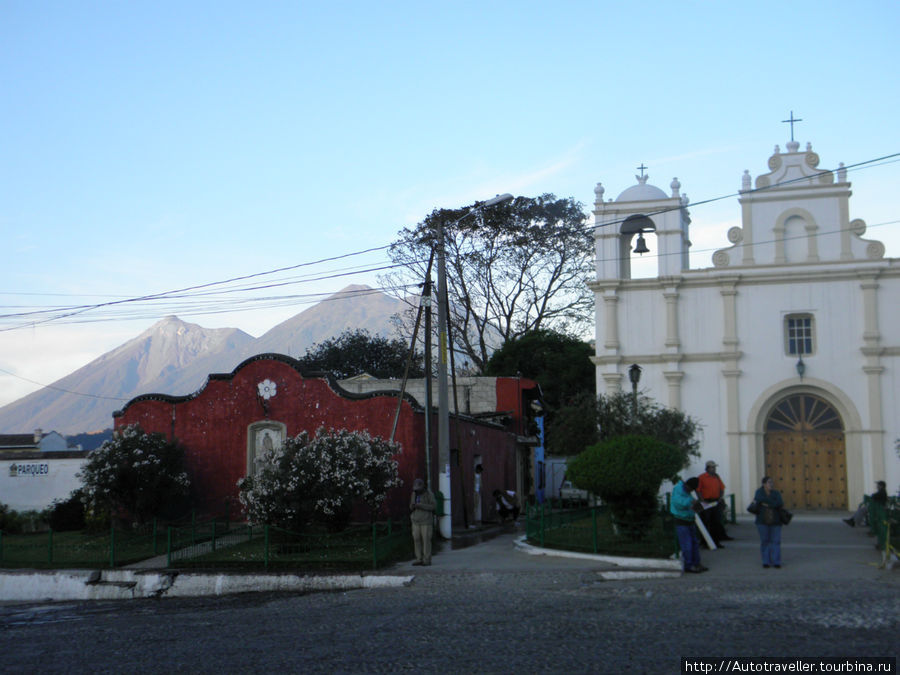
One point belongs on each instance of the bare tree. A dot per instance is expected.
(511, 268)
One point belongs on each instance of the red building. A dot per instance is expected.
(225, 425)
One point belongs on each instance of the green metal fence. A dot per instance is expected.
(355, 548)
(593, 530)
(211, 543)
(884, 522)
(50, 549)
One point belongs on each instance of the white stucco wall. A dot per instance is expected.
(37, 481)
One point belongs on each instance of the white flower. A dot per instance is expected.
(267, 389)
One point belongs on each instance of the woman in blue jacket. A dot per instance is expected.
(682, 509)
(768, 522)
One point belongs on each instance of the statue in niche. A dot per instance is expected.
(266, 441)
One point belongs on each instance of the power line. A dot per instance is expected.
(62, 389)
(65, 314)
(62, 313)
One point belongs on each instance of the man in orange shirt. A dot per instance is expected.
(711, 490)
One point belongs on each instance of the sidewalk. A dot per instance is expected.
(816, 545)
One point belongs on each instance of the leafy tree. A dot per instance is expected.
(626, 473)
(559, 363)
(574, 426)
(136, 475)
(587, 421)
(511, 268)
(321, 480)
(355, 352)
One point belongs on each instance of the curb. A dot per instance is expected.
(133, 584)
(618, 561)
(626, 575)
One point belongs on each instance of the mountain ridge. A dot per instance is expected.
(175, 357)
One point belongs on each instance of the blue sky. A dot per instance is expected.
(146, 146)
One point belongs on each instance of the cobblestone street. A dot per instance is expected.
(560, 621)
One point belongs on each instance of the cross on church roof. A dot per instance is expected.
(791, 120)
(641, 168)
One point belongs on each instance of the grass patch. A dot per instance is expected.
(584, 531)
(46, 550)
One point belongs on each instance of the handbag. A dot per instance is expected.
(785, 516)
(753, 507)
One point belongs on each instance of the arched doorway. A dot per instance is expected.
(806, 454)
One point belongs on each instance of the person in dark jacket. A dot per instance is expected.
(711, 490)
(862, 512)
(768, 522)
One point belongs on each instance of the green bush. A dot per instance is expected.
(16, 522)
(67, 515)
(626, 472)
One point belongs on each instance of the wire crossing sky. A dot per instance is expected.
(157, 147)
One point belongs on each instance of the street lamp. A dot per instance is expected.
(445, 521)
(634, 374)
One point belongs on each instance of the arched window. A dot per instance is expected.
(804, 412)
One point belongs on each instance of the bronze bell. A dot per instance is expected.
(641, 245)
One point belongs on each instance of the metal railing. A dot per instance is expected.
(884, 522)
(211, 543)
(50, 549)
(594, 530)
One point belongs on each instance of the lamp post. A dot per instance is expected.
(445, 522)
(634, 374)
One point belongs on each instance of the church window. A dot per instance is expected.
(804, 412)
(798, 334)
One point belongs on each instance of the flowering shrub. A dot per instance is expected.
(320, 480)
(136, 475)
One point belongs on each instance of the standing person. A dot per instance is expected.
(768, 522)
(683, 507)
(421, 507)
(712, 492)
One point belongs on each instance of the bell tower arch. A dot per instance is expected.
(620, 226)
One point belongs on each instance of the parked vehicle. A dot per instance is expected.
(570, 495)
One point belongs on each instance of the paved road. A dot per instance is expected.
(491, 608)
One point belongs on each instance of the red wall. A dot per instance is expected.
(213, 423)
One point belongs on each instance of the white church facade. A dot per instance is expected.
(786, 349)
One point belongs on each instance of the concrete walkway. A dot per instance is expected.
(816, 545)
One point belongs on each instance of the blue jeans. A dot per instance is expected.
(770, 543)
(689, 544)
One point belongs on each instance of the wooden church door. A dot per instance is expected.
(805, 453)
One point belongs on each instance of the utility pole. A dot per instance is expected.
(426, 300)
(445, 524)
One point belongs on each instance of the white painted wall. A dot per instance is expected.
(35, 483)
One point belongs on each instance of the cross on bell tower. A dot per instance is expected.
(791, 121)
